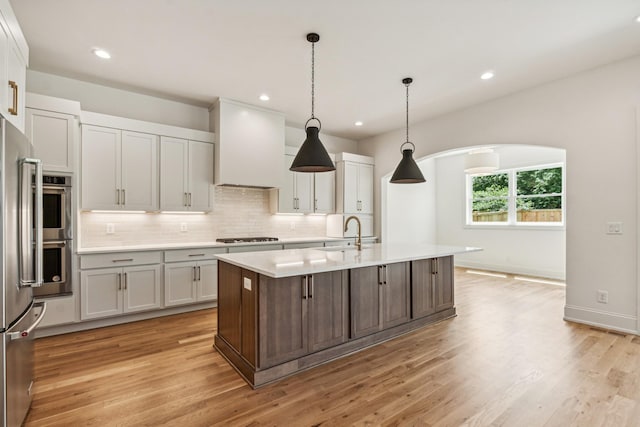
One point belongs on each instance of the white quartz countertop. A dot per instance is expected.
(295, 262)
(195, 245)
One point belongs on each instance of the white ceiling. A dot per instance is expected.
(197, 50)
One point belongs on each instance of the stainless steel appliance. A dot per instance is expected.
(57, 236)
(21, 268)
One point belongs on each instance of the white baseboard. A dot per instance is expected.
(513, 269)
(602, 319)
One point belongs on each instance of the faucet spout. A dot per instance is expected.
(359, 236)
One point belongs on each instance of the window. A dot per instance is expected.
(524, 196)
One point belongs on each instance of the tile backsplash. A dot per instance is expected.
(237, 212)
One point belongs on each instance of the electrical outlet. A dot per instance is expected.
(602, 297)
(614, 228)
(183, 227)
(111, 228)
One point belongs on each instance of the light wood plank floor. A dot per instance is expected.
(508, 359)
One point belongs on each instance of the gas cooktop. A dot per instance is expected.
(247, 239)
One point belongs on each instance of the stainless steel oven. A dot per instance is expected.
(57, 236)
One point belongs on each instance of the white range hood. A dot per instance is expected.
(249, 149)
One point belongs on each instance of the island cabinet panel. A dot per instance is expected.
(283, 319)
(328, 310)
(379, 298)
(229, 303)
(431, 286)
(249, 316)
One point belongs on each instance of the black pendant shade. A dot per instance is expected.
(312, 156)
(407, 171)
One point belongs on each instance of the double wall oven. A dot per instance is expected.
(57, 236)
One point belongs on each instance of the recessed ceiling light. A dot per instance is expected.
(638, 18)
(264, 97)
(101, 53)
(358, 123)
(487, 75)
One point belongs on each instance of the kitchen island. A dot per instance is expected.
(286, 311)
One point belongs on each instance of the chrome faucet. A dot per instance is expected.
(359, 236)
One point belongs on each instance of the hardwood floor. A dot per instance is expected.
(508, 359)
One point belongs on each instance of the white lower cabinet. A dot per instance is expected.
(114, 291)
(190, 282)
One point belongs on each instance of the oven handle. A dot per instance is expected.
(25, 334)
(39, 279)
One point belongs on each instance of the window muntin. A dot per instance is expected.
(524, 196)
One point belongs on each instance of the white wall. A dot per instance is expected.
(538, 251)
(118, 102)
(592, 116)
(416, 224)
(294, 137)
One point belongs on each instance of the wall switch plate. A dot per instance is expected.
(183, 227)
(614, 228)
(111, 228)
(602, 297)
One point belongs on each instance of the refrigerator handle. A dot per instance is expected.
(38, 281)
(27, 332)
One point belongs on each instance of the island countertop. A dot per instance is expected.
(295, 262)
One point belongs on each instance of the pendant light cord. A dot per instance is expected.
(313, 56)
(407, 86)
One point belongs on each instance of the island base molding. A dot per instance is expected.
(258, 378)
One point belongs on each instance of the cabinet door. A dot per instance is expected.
(52, 135)
(366, 313)
(283, 319)
(422, 288)
(139, 171)
(444, 283)
(395, 308)
(304, 192)
(141, 288)
(287, 193)
(100, 168)
(174, 161)
(179, 283)
(328, 308)
(365, 188)
(350, 188)
(325, 192)
(101, 293)
(200, 176)
(17, 73)
(207, 286)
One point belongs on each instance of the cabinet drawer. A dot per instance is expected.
(303, 245)
(254, 248)
(119, 259)
(180, 255)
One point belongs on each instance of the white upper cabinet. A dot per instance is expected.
(119, 169)
(304, 192)
(355, 184)
(249, 145)
(14, 59)
(53, 138)
(186, 175)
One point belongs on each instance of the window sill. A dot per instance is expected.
(505, 227)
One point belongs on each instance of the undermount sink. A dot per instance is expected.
(343, 248)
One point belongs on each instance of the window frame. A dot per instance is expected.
(512, 198)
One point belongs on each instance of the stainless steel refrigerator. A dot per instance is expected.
(21, 267)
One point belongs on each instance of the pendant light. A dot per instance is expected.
(312, 156)
(407, 171)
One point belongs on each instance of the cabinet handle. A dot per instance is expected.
(117, 196)
(125, 281)
(193, 275)
(304, 287)
(119, 281)
(199, 273)
(14, 109)
(184, 200)
(315, 204)
(380, 275)
(124, 197)
(311, 286)
(385, 274)
(122, 260)
(189, 199)
(196, 254)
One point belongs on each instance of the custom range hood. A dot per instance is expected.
(249, 149)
